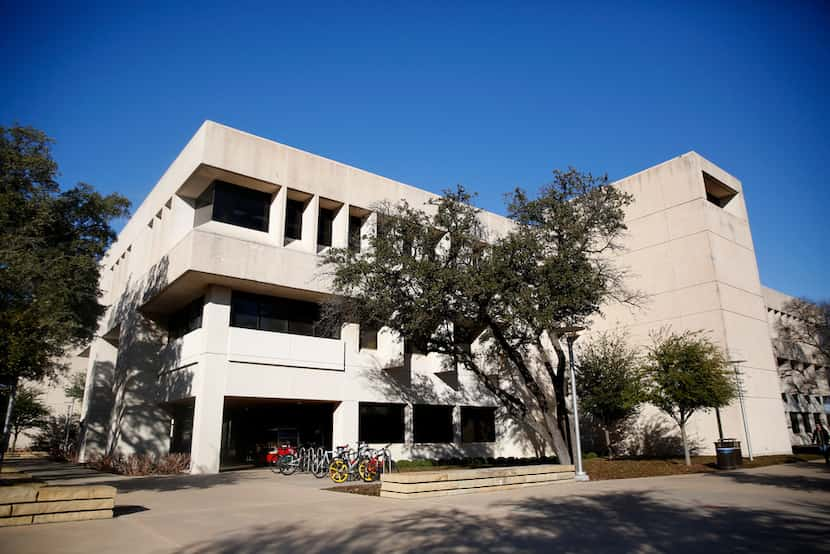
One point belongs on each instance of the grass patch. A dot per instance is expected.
(372, 489)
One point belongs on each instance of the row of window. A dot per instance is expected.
(384, 423)
(796, 420)
(249, 208)
(269, 313)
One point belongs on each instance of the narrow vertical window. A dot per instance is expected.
(325, 223)
(294, 219)
(355, 226)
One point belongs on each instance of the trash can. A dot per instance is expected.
(728, 453)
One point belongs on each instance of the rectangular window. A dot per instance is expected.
(478, 424)
(240, 206)
(808, 428)
(432, 423)
(817, 418)
(325, 223)
(796, 427)
(409, 347)
(380, 423)
(186, 319)
(355, 225)
(294, 219)
(368, 337)
(284, 315)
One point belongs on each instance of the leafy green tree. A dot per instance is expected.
(610, 383)
(688, 373)
(51, 243)
(29, 411)
(496, 306)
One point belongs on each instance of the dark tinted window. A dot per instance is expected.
(325, 222)
(268, 313)
(794, 422)
(368, 337)
(478, 424)
(355, 224)
(187, 319)
(432, 423)
(241, 206)
(808, 428)
(381, 423)
(294, 219)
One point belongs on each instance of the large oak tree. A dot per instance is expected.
(495, 305)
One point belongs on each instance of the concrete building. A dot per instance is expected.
(211, 342)
(805, 391)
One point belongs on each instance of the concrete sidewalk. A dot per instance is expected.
(775, 509)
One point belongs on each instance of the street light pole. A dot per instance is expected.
(580, 473)
(740, 385)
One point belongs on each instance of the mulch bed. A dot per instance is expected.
(600, 469)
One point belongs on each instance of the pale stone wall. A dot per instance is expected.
(695, 262)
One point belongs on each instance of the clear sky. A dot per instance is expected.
(488, 95)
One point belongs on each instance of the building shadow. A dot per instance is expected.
(793, 482)
(600, 523)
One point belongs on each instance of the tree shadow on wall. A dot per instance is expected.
(657, 437)
(127, 413)
(612, 522)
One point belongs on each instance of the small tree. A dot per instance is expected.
(610, 383)
(29, 411)
(687, 372)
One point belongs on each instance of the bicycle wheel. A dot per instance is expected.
(368, 470)
(338, 471)
(275, 466)
(288, 464)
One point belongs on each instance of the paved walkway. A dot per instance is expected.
(775, 509)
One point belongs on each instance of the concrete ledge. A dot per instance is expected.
(483, 473)
(25, 492)
(62, 506)
(443, 483)
(72, 516)
(24, 504)
(70, 492)
(11, 521)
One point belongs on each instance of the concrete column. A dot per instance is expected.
(210, 385)
(340, 228)
(409, 427)
(345, 423)
(456, 425)
(276, 217)
(368, 230)
(310, 217)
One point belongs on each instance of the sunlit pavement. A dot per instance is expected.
(773, 509)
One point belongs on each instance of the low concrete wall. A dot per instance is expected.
(419, 484)
(25, 503)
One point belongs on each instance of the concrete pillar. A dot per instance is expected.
(340, 228)
(310, 216)
(345, 423)
(276, 217)
(408, 425)
(456, 425)
(210, 384)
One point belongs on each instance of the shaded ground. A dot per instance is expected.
(774, 509)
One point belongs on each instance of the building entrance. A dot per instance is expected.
(251, 427)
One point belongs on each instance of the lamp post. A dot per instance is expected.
(740, 386)
(571, 334)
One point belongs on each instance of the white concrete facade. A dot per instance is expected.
(694, 259)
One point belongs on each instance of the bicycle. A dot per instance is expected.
(347, 463)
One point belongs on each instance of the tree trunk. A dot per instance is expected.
(608, 443)
(560, 447)
(4, 439)
(14, 440)
(685, 444)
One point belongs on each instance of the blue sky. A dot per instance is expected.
(485, 94)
